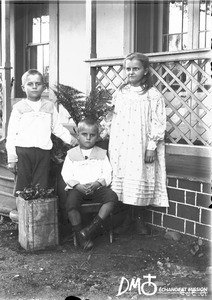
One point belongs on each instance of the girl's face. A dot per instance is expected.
(135, 71)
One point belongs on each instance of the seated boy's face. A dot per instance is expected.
(33, 87)
(87, 136)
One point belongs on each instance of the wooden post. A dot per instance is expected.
(6, 66)
(160, 7)
(129, 20)
(91, 42)
(193, 43)
(53, 48)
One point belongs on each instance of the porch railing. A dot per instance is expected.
(183, 79)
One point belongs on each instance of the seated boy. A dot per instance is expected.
(87, 174)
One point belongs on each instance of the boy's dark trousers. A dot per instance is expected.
(101, 195)
(33, 167)
(75, 199)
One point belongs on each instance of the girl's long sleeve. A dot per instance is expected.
(157, 119)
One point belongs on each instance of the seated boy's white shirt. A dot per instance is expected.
(86, 171)
(86, 152)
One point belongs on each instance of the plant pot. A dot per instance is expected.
(38, 223)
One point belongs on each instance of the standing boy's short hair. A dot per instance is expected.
(89, 122)
(31, 72)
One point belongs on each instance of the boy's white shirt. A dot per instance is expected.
(86, 152)
(86, 170)
(35, 105)
(33, 129)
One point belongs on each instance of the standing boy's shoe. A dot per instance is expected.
(14, 216)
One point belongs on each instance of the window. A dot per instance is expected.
(205, 24)
(175, 31)
(186, 26)
(38, 39)
(172, 25)
(182, 20)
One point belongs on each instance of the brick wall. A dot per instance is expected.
(189, 211)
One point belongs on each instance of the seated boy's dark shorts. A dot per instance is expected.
(102, 195)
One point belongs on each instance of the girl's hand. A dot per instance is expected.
(149, 156)
(74, 142)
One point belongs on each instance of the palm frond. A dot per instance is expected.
(96, 105)
(71, 99)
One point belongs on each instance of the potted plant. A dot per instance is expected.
(95, 105)
(37, 218)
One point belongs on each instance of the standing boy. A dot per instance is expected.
(29, 134)
(87, 173)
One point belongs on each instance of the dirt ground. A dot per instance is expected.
(106, 271)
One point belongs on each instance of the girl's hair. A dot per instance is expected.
(144, 60)
(31, 72)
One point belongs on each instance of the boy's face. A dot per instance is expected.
(87, 136)
(33, 87)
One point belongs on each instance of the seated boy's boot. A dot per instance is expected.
(82, 242)
(89, 231)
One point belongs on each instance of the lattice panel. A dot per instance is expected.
(186, 87)
(110, 77)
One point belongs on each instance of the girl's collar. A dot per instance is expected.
(136, 88)
(139, 89)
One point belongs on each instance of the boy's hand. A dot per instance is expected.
(12, 166)
(91, 187)
(73, 142)
(88, 188)
(149, 156)
(82, 188)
